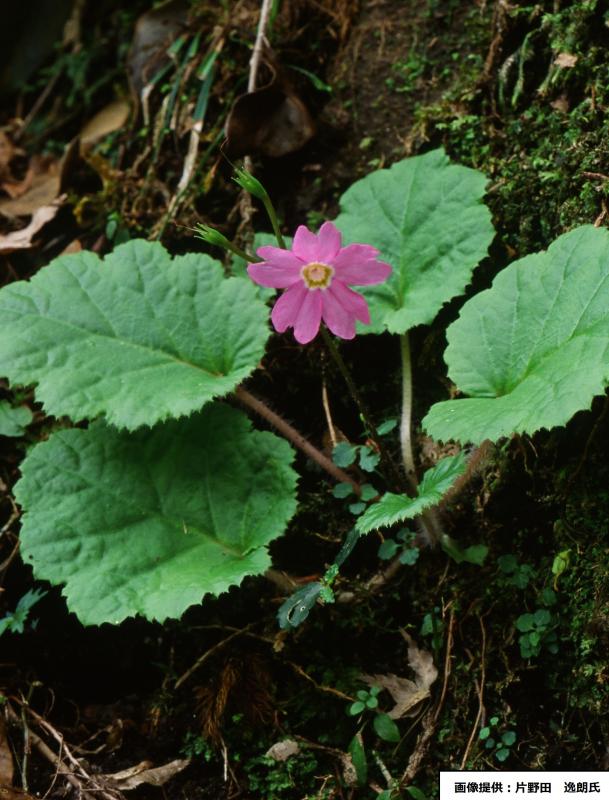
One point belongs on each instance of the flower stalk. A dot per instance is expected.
(406, 417)
(212, 236)
(252, 185)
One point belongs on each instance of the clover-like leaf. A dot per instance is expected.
(13, 420)
(533, 349)
(148, 522)
(392, 508)
(137, 337)
(427, 218)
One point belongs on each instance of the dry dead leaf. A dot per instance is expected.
(348, 770)
(272, 121)
(75, 246)
(407, 693)
(23, 239)
(7, 152)
(144, 772)
(39, 188)
(281, 751)
(7, 768)
(111, 118)
(565, 60)
(155, 30)
(561, 104)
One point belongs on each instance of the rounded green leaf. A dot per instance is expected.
(385, 728)
(138, 337)
(148, 522)
(508, 738)
(533, 349)
(427, 218)
(13, 420)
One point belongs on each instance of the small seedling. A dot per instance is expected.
(499, 743)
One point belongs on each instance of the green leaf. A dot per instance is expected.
(344, 454)
(357, 508)
(560, 564)
(388, 549)
(427, 218)
(386, 427)
(508, 738)
(148, 522)
(137, 337)
(297, 607)
(542, 617)
(358, 757)
(474, 554)
(385, 728)
(415, 793)
(15, 622)
(351, 539)
(13, 421)
(368, 459)
(484, 733)
(502, 754)
(533, 349)
(326, 594)
(410, 556)
(368, 492)
(342, 490)
(356, 708)
(393, 508)
(525, 622)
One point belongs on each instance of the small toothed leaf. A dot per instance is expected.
(392, 508)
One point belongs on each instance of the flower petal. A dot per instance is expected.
(286, 309)
(305, 245)
(276, 255)
(329, 240)
(309, 318)
(340, 321)
(357, 264)
(275, 274)
(351, 301)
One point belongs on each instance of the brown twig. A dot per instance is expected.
(45, 751)
(208, 653)
(480, 692)
(328, 689)
(297, 439)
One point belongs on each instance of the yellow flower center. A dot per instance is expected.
(317, 275)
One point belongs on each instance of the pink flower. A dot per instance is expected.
(315, 274)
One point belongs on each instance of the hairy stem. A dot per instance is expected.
(272, 214)
(297, 439)
(406, 420)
